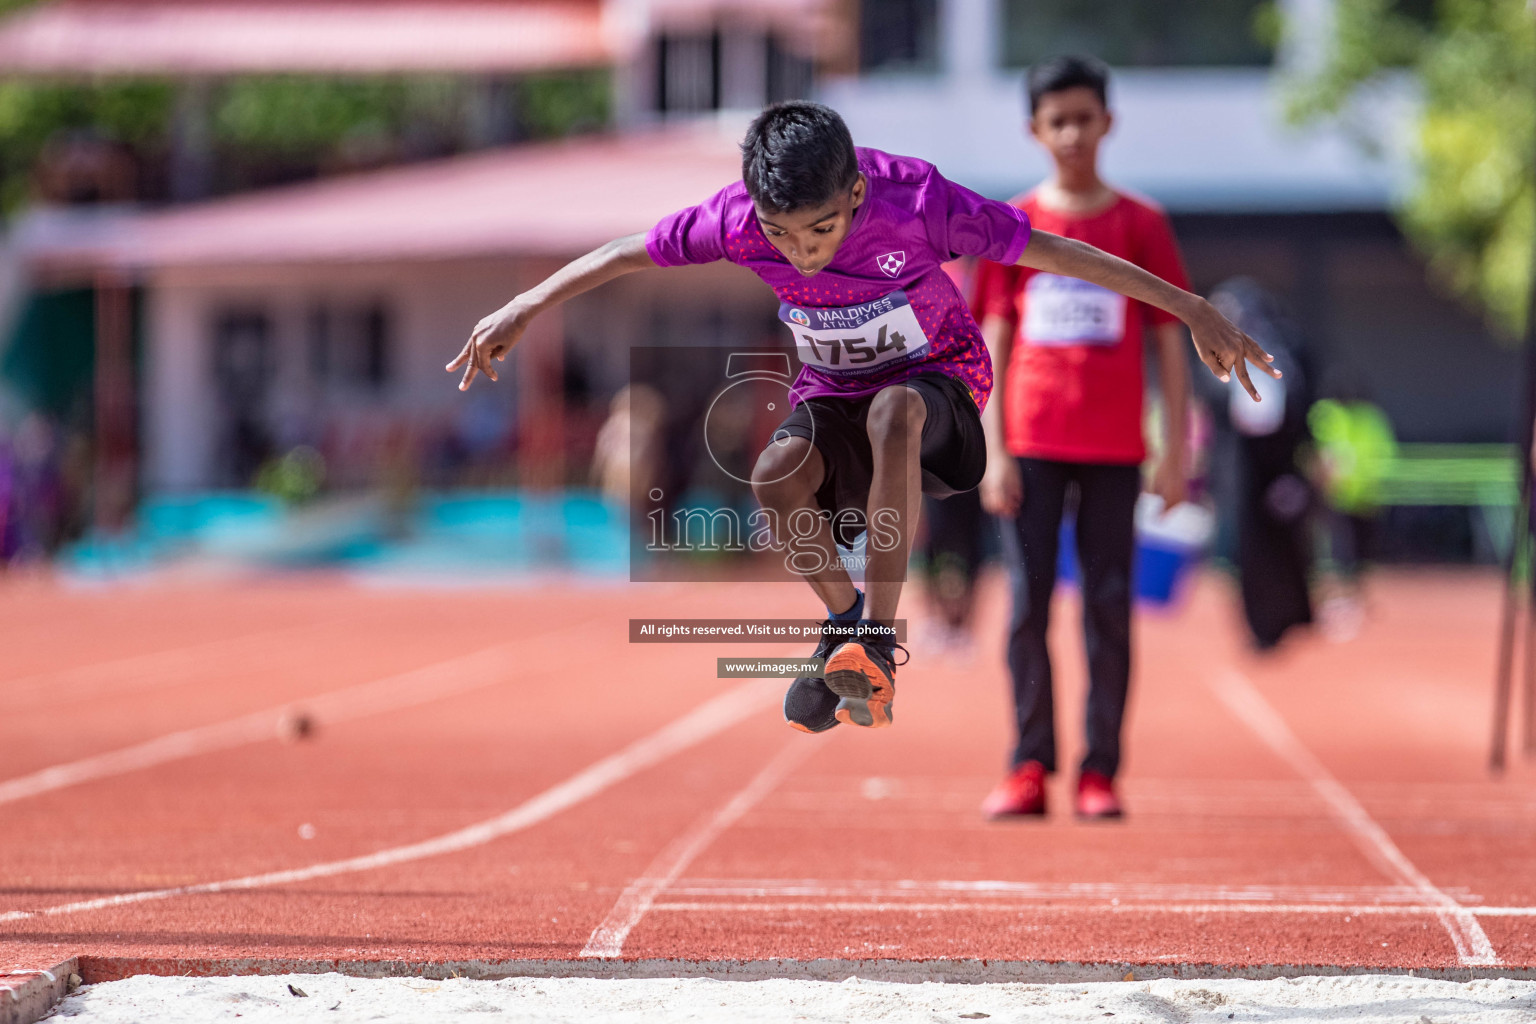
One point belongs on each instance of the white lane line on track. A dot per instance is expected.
(1022, 906)
(1460, 923)
(392, 693)
(760, 888)
(608, 937)
(170, 667)
(705, 721)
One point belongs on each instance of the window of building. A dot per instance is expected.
(900, 35)
(243, 367)
(350, 346)
(703, 72)
(789, 74)
(242, 355)
(1135, 33)
(688, 73)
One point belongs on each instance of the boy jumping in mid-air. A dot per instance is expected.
(887, 404)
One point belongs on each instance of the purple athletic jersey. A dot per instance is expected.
(883, 309)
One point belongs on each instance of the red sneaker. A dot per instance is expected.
(1096, 797)
(1022, 792)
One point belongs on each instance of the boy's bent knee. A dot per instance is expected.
(897, 413)
(785, 469)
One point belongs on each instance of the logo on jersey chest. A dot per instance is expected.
(891, 263)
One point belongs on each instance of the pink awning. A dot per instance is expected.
(556, 199)
(166, 37)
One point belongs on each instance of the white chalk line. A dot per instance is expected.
(805, 895)
(419, 686)
(153, 669)
(705, 721)
(1105, 891)
(1460, 923)
(1022, 906)
(392, 693)
(608, 937)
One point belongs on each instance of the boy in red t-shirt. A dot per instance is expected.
(1069, 411)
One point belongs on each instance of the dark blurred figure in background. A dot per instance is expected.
(628, 455)
(35, 522)
(958, 538)
(952, 551)
(7, 487)
(1261, 492)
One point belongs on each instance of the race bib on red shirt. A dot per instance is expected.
(856, 339)
(1067, 311)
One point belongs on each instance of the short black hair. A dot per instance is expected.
(797, 154)
(1069, 71)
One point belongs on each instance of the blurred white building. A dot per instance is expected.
(1199, 99)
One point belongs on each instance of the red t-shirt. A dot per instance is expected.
(1075, 379)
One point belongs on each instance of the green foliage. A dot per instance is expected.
(296, 120)
(1472, 211)
(293, 114)
(555, 104)
(31, 113)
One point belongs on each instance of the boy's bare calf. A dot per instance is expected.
(785, 480)
(895, 426)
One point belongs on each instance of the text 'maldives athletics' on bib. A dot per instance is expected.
(883, 309)
(867, 338)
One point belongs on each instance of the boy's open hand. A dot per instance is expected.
(492, 338)
(1225, 349)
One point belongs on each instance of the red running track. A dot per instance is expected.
(498, 774)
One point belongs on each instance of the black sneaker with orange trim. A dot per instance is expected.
(862, 672)
(808, 705)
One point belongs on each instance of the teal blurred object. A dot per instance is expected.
(478, 536)
(493, 533)
(233, 515)
(173, 526)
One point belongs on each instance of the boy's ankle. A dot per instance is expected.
(852, 614)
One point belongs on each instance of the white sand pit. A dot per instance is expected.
(335, 999)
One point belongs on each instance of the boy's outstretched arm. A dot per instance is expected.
(1169, 478)
(494, 336)
(1220, 345)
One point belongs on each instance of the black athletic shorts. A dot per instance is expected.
(954, 452)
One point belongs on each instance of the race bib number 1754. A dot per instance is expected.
(856, 339)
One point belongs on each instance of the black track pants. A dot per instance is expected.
(1106, 507)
